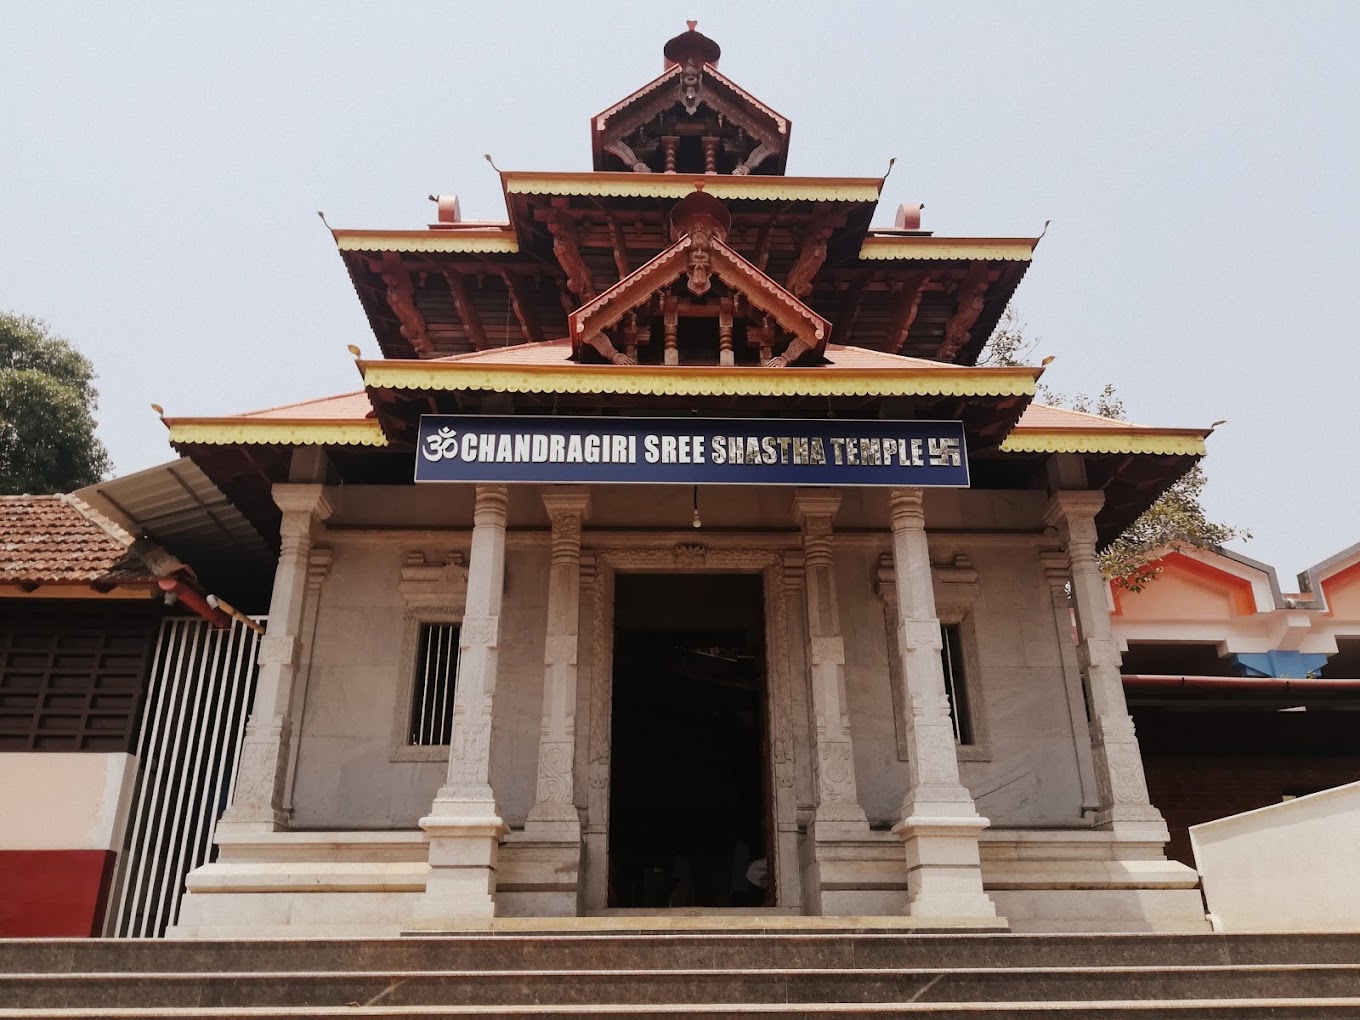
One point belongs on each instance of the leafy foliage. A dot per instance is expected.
(1176, 521)
(47, 403)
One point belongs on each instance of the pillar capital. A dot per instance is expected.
(1072, 507)
(491, 506)
(812, 504)
(565, 500)
(298, 498)
(906, 509)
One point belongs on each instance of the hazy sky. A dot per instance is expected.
(163, 164)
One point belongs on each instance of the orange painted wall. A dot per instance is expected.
(1343, 593)
(1187, 589)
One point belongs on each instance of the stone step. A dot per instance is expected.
(730, 987)
(1216, 1009)
(663, 951)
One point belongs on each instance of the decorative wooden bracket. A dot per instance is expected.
(625, 152)
(567, 248)
(401, 298)
(467, 311)
(904, 313)
(522, 303)
(811, 257)
(849, 308)
(971, 294)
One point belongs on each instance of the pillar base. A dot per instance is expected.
(944, 870)
(461, 884)
(243, 822)
(553, 823)
(832, 822)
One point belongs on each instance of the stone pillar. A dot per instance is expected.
(838, 813)
(464, 824)
(940, 824)
(318, 569)
(1057, 575)
(554, 816)
(1122, 788)
(257, 803)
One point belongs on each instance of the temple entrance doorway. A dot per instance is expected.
(689, 807)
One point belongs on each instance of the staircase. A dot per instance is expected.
(851, 972)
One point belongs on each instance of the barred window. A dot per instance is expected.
(955, 682)
(436, 672)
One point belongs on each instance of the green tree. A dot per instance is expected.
(1176, 521)
(47, 403)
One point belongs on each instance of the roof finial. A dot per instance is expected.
(691, 25)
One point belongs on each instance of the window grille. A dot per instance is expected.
(955, 685)
(436, 671)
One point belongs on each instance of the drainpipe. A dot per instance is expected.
(1262, 685)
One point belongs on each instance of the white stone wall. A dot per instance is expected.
(346, 776)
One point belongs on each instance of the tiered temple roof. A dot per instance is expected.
(685, 272)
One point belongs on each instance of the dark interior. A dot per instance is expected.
(688, 802)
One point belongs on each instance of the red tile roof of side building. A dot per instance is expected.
(61, 540)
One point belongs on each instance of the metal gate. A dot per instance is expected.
(199, 692)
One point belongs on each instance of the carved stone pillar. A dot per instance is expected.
(940, 824)
(1056, 574)
(1120, 782)
(318, 569)
(257, 803)
(464, 824)
(554, 815)
(838, 813)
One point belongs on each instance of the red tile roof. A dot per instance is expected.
(343, 406)
(1042, 416)
(61, 540)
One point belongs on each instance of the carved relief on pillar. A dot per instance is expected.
(554, 814)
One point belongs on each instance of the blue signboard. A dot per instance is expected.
(690, 451)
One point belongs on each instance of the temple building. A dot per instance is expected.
(676, 554)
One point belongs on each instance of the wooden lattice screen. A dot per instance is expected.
(72, 674)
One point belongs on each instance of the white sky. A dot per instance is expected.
(163, 164)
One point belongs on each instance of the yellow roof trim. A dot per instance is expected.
(755, 186)
(431, 241)
(274, 432)
(1001, 249)
(661, 381)
(1167, 442)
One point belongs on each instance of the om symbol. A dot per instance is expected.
(443, 445)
